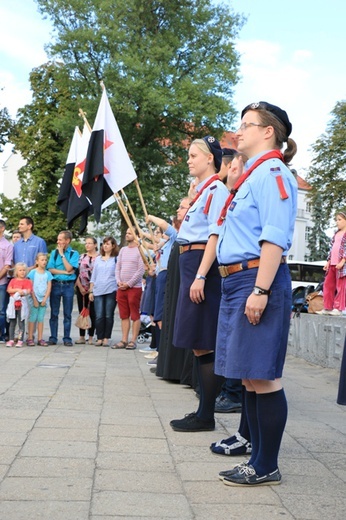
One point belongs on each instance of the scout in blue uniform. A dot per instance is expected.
(200, 284)
(257, 227)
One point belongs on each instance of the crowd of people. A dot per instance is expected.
(217, 288)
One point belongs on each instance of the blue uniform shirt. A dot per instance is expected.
(165, 250)
(198, 226)
(26, 250)
(257, 213)
(56, 262)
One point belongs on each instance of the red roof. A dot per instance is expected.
(302, 184)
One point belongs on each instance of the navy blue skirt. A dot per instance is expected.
(246, 351)
(195, 324)
(148, 298)
(160, 294)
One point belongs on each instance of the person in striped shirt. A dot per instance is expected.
(129, 273)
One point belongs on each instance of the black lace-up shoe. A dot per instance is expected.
(192, 423)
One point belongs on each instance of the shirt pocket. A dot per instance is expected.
(241, 201)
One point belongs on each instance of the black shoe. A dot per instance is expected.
(51, 342)
(247, 476)
(226, 405)
(192, 423)
(68, 343)
(233, 471)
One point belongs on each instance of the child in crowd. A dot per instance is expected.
(42, 285)
(334, 287)
(19, 289)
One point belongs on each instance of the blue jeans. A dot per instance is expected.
(104, 310)
(64, 292)
(3, 306)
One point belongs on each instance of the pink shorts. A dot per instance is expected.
(129, 302)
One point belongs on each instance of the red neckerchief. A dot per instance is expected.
(273, 154)
(208, 183)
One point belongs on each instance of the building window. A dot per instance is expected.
(307, 233)
(308, 207)
(290, 257)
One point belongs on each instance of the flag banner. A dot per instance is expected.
(71, 199)
(108, 167)
(66, 183)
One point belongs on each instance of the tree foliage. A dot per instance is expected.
(169, 67)
(327, 174)
(39, 136)
(6, 126)
(318, 241)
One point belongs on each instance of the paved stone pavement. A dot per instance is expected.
(85, 435)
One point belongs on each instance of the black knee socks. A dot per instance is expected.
(209, 384)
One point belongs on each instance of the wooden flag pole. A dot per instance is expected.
(134, 219)
(83, 116)
(146, 260)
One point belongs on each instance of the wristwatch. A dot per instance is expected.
(200, 277)
(259, 291)
(62, 256)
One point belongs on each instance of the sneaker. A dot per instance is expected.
(233, 446)
(224, 404)
(153, 362)
(335, 312)
(192, 423)
(233, 471)
(323, 312)
(2, 341)
(10, 343)
(152, 355)
(19, 343)
(247, 476)
(146, 350)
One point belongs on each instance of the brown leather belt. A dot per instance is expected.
(191, 247)
(226, 270)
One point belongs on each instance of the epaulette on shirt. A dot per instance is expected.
(209, 199)
(280, 183)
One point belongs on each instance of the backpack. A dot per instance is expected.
(315, 299)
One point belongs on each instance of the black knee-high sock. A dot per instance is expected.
(243, 425)
(251, 412)
(209, 384)
(157, 336)
(153, 337)
(272, 417)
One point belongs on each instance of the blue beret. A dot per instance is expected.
(215, 148)
(277, 112)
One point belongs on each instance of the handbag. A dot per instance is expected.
(83, 320)
(315, 302)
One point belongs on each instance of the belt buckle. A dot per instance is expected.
(181, 250)
(223, 271)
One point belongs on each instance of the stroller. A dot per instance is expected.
(144, 330)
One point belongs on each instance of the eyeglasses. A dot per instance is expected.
(244, 126)
(182, 207)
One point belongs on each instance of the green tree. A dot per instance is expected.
(39, 136)
(6, 126)
(318, 241)
(327, 173)
(169, 67)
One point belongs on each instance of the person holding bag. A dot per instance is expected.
(86, 266)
